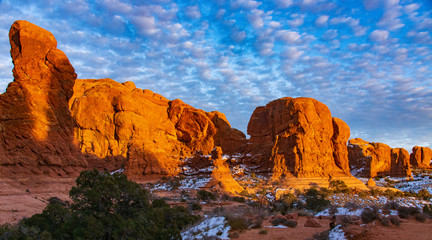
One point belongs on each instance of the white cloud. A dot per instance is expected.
(411, 7)
(245, 4)
(297, 20)
(283, 3)
(291, 53)
(274, 24)
(321, 20)
(193, 12)
(358, 29)
(238, 36)
(146, 25)
(287, 36)
(255, 19)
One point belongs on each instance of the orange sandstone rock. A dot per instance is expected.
(370, 159)
(35, 122)
(221, 178)
(421, 157)
(297, 137)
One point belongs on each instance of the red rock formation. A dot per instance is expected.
(400, 163)
(35, 122)
(221, 178)
(421, 157)
(370, 159)
(298, 137)
(115, 119)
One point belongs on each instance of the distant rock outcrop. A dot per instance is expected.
(297, 137)
(36, 128)
(421, 157)
(370, 159)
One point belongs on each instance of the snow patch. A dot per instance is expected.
(211, 227)
(337, 233)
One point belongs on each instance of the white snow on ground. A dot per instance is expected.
(187, 183)
(193, 183)
(117, 171)
(337, 233)
(415, 186)
(341, 211)
(210, 227)
(278, 226)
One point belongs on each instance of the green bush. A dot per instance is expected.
(315, 199)
(369, 214)
(238, 222)
(338, 186)
(104, 206)
(205, 195)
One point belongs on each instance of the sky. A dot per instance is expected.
(369, 61)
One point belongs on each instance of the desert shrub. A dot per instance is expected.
(427, 209)
(321, 236)
(345, 220)
(315, 199)
(106, 206)
(338, 186)
(375, 192)
(195, 206)
(333, 210)
(384, 221)
(424, 194)
(363, 194)
(263, 231)
(369, 214)
(391, 205)
(280, 220)
(395, 220)
(406, 212)
(420, 217)
(205, 195)
(238, 222)
(239, 199)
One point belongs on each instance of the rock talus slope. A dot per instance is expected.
(36, 128)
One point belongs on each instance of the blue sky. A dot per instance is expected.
(369, 61)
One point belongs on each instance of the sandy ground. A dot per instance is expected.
(410, 229)
(299, 232)
(23, 197)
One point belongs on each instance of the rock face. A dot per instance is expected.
(421, 157)
(370, 159)
(153, 133)
(300, 138)
(36, 128)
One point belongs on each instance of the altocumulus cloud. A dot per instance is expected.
(369, 60)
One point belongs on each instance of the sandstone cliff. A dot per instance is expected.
(297, 137)
(152, 132)
(370, 159)
(421, 157)
(36, 128)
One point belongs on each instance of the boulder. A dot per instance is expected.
(371, 182)
(312, 222)
(371, 159)
(297, 137)
(421, 157)
(36, 127)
